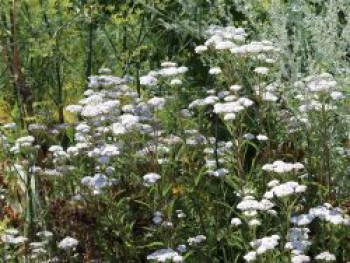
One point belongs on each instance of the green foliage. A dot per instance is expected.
(208, 161)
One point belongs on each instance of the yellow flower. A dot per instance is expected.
(178, 189)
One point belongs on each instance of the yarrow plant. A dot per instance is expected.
(248, 168)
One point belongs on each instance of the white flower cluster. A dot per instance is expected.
(297, 240)
(261, 70)
(10, 126)
(22, 142)
(313, 105)
(126, 123)
(104, 151)
(95, 106)
(196, 139)
(266, 92)
(196, 240)
(312, 91)
(302, 220)
(300, 259)
(157, 217)
(320, 83)
(38, 248)
(222, 38)
(298, 237)
(58, 153)
(164, 255)
(232, 107)
(250, 204)
(104, 70)
(148, 80)
(51, 173)
(223, 150)
(172, 71)
(210, 100)
(156, 102)
(219, 172)
(214, 71)
(11, 236)
(97, 182)
(74, 108)
(169, 69)
(335, 216)
(236, 221)
(151, 178)
(105, 81)
(326, 212)
(259, 137)
(232, 39)
(250, 256)
(282, 167)
(45, 234)
(265, 244)
(68, 243)
(254, 47)
(107, 114)
(326, 256)
(285, 189)
(35, 127)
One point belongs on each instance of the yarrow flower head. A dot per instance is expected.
(200, 49)
(219, 172)
(196, 240)
(297, 240)
(300, 259)
(235, 88)
(250, 256)
(156, 102)
(282, 167)
(285, 189)
(326, 256)
(10, 126)
(254, 222)
(165, 254)
(261, 70)
(261, 137)
(265, 244)
(214, 71)
(236, 221)
(74, 108)
(148, 80)
(68, 243)
(175, 82)
(151, 178)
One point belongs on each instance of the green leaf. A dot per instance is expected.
(166, 189)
